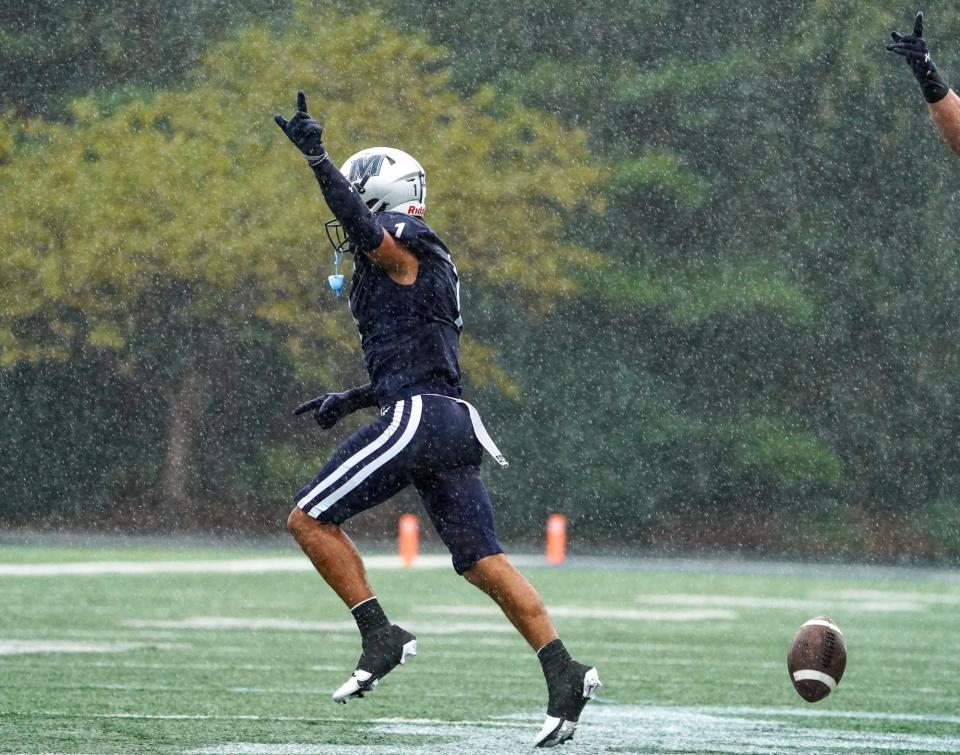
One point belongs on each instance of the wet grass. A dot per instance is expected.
(692, 661)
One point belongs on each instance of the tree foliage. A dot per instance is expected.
(176, 231)
(781, 285)
(51, 51)
(744, 316)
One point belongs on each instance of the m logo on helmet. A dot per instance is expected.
(364, 167)
(387, 180)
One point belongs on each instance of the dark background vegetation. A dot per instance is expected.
(764, 358)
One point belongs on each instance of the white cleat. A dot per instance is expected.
(555, 732)
(356, 686)
(362, 681)
(558, 729)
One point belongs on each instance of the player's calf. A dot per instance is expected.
(571, 685)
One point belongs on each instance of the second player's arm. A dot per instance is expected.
(946, 117)
(942, 102)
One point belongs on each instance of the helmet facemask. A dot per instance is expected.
(338, 238)
(335, 231)
(387, 180)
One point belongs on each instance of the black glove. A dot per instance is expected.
(330, 408)
(914, 49)
(304, 132)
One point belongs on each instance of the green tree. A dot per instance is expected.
(785, 288)
(173, 232)
(51, 51)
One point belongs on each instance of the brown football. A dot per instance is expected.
(817, 658)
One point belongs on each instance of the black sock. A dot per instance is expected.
(370, 616)
(553, 658)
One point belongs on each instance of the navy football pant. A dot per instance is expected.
(427, 441)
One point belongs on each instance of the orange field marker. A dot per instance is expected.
(409, 538)
(556, 538)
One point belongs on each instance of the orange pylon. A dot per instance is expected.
(409, 538)
(556, 538)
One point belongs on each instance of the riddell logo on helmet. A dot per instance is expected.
(415, 209)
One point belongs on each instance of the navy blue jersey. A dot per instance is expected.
(410, 334)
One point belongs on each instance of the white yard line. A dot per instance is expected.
(603, 731)
(609, 728)
(30, 647)
(807, 712)
(24, 666)
(936, 598)
(889, 603)
(504, 723)
(202, 566)
(442, 561)
(245, 624)
(596, 612)
(96, 568)
(608, 711)
(297, 625)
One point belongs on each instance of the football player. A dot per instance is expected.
(405, 298)
(942, 102)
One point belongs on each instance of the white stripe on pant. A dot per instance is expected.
(359, 456)
(416, 410)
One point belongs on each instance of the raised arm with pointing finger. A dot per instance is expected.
(942, 102)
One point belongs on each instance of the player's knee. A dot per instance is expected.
(303, 527)
(296, 522)
(480, 572)
(473, 576)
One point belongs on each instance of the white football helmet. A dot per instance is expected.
(388, 179)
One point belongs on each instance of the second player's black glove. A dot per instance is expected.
(914, 49)
(304, 132)
(330, 408)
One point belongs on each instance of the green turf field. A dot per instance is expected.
(196, 659)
